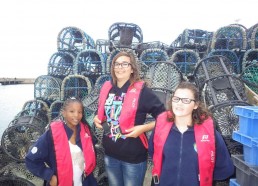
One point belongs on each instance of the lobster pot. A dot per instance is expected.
(17, 139)
(55, 109)
(222, 89)
(196, 39)
(5, 159)
(75, 86)
(61, 64)
(47, 88)
(37, 108)
(231, 37)
(211, 67)
(233, 58)
(149, 56)
(150, 45)
(102, 45)
(74, 40)
(185, 60)
(226, 122)
(90, 63)
(164, 75)
(124, 35)
(250, 57)
(252, 35)
(16, 174)
(90, 103)
(99, 83)
(250, 76)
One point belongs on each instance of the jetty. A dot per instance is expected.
(14, 81)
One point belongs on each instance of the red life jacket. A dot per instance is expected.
(63, 154)
(129, 109)
(205, 141)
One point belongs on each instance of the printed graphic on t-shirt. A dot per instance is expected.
(113, 107)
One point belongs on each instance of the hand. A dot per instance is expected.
(97, 122)
(53, 181)
(135, 131)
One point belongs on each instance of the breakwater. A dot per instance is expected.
(14, 81)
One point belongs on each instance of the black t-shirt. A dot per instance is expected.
(131, 149)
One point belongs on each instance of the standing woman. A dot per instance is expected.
(185, 147)
(64, 154)
(123, 106)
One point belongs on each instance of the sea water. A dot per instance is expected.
(12, 99)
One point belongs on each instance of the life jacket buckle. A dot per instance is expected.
(155, 179)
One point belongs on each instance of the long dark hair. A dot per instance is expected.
(200, 114)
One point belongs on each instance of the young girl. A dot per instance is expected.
(64, 154)
(185, 147)
(123, 106)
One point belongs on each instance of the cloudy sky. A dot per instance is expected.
(29, 28)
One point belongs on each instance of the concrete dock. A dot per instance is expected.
(15, 81)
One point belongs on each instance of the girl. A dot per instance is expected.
(123, 106)
(185, 147)
(64, 154)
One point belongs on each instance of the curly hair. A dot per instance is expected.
(200, 114)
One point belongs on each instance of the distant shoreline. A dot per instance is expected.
(15, 81)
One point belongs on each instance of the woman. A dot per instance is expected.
(123, 106)
(185, 147)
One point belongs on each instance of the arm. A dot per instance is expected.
(37, 157)
(139, 129)
(224, 167)
(97, 122)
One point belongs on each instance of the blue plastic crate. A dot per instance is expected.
(233, 182)
(250, 147)
(248, 120)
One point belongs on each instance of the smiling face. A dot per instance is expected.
(73, 114)
(181, 109)
(122, 73)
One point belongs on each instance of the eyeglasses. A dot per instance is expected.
(123, 64)
(184, 100)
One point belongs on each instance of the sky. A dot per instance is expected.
(29, 28)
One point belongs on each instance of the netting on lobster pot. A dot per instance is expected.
(185, 60)
(37, 108)
(252, 35)
(102, 45)
(231, 37)
(90, 63)
(15, 173)
(163, 78)
(17, 139)
(75, 86)
(61, 64)
(15, 181)
(250, 57)
(55, 109)
(222, 89)
(210, 67)
(229, 54)
(5, 159)
(149, 56)
(124, 35)
(250, 76)
(47, 88)
(226, 121)
(196, 39)
(74, 40)
(150, 45)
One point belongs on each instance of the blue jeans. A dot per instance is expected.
(121, 173)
